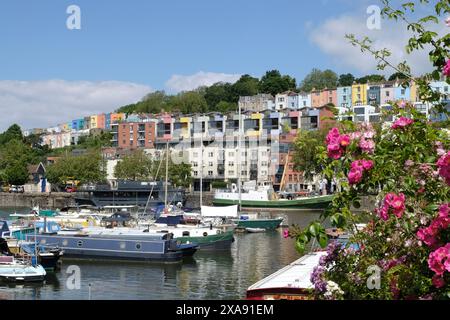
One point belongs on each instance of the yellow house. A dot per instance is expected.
(185, 127)
(93, 122)
(259, 118)
(413, 91)
(359, 94)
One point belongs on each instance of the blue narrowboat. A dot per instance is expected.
(159, 248)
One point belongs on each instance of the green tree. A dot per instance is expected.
(189, 102)
(372, 78)
(88, 168)
(13, 132)
(95, 140)
(224, 106)
(397, 75)
(216, 93)
(319, 80)
(16, 173)
(308, 146)
(245, 86)
(346, 80)
(136, 166)
(273, 82)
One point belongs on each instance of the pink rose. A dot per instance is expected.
(355, 176)
(367, 145)
(446, 70)
(402, 123)
(444, 167)
(286, 233)
(344, 140)
(367, 164)
(333, 135)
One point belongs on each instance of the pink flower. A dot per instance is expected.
(438, 281)
(427, 236)
(409, 163)
(367, 164)
(334, 151)
(438, 259)
(402, 123)
(398, 205)
(384, 213)
(286, 233)
(344, 140)
(446, 70)
(444, 167)
(447, 22)
(367, 145)
(355, 176)
(444, 210)
(333, 135)
(355, 135)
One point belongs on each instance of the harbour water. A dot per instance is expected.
(208, 275)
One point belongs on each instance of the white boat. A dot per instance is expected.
(15, 270)
(290, 283)
(255, 230)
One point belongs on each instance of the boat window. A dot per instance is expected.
(138, 246)
(122, 245)
(80, 243)
(185, 233)
(65, 242)
(43, 241)
(205, 234)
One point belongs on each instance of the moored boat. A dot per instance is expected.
(15, 270)
(267, 224)
(252, 196)
(155, 248)
(290, 283)
(255, 230)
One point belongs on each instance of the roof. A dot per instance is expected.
(34, 168)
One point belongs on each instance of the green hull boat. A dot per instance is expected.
(211, 242)
(268, 224)
(320, 202)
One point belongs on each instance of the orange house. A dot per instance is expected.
(321, 98)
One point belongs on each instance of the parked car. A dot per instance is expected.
(71, 189)
(16, 189)
(5, 188)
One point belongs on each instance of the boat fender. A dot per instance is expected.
(205, 234)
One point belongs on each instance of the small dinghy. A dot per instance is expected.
(20, 271)
(255, 230)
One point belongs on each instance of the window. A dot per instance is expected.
(231, 172)
(196, 173)
(387, 93)
(345, 98)
(330, 100)
(231, 164)
(231, 154)
(244, 173)
(195, 164)
(264, 163)
(264, 173)
(195, 154)
(403, 91)
(211, 154)
(446, 89)
(211, 164)
(210, 173)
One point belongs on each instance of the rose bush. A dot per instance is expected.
(404, 164)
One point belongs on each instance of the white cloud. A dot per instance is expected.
(330, 38)
(178, 83)
(41, 104)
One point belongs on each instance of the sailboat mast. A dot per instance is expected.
(201, 167)
(167, 174)
(239, 158)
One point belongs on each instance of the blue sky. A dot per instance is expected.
(149, 41)
(125, 49)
